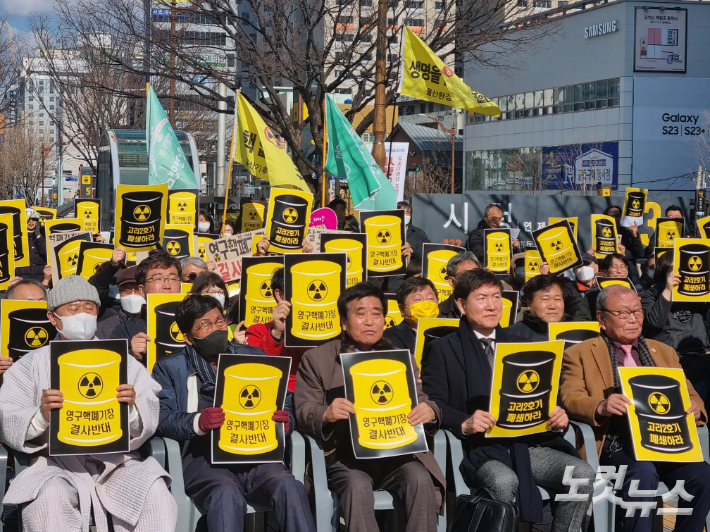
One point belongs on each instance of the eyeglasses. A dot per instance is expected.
(625, 314)
(206, 326)
(214, 291)
(159, 279)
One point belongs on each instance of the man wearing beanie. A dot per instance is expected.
(60, 493)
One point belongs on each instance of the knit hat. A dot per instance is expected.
(70, 289)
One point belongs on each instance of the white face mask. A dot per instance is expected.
(219, 297)
(585, 273)
(407, 219)
(80, 326)
(132, 303)
(203, 227)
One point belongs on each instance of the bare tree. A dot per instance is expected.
(21, 162)
(433, 178)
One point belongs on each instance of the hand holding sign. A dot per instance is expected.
(211, 417)
(422, 413)
(51, 399)
(139, 345)
(558, 419)
(480, 421)
(118, 256)
(339, 409)
(615, 405)
(126, 394)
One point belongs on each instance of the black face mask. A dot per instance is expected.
(211, 346)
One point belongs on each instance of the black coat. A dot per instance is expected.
(448, 308)
(416, 238)
(476, 239)
(37, 250)
(402, 336)
(532, 329)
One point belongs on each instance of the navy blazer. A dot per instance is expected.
(402, 336)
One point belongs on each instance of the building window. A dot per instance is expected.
(367, 57)
(345, 19)
(414, 5)
(439, 6)
(414, 22)
(365, 3)
(522, 3)
(547, 4)
(392, 21)
(41, 122)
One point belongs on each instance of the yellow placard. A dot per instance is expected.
(435, 258)
(256, 296)
(572, 223)
(64, 225)
(140, 216)
(7, 247)
(91, 256)
(45, 213)
(185, 288)
(497, 250)
(604, 237)
(526, 378)
(430, 329)
(162, 328)
(88, 210)
(16, 208)
(287, 219)
(510, 308)
(182, 207)
(202, 239)
(253, 215)
(604, 282)
(691, 260)
(704, 227)
(394, 315)
(385, 238)
(660, 428)
(178, 240)
(65, 255)
(354, 245)
(24, 327)
(573, 332)
(667, 230)
(557, 247)
(533, 261)
(634, 207)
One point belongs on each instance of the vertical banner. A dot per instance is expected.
(526, 378)
(178, 240)
(312, 284)
(634, 207)
(228, 252)
(64, 225)
(533, 261)
(19, 230)
(394, 315)
(557, 247)
(573, 332)
(250, 388)
(704, 227)
(256, 297)
(691, 260)
(253, 214)
(202, 240)
(183, 207)
(604, 282)
(92, 420)
(140, 216)
(287, 219)
(91, 256)
(65, 255)
(354, 245)
(667, 230)
(88, 210)
(573, 223)
(164, 332)
(510, 308)
(497, 251)
(660, 428)
(604, 239)
(24, 327)
(45, 213)
(428, 330)
(381, 387)
(7, 251)
(435, 257)
(396, 154)
(385, 237)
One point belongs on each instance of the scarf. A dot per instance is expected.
(644, 357)
(207, 373)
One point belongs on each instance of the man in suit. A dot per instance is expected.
(590, 390)
(323, 411)
(417, 299)
(459, 263)
(492, 219)
(458, 378)
(545, 297)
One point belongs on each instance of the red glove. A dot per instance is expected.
(281, 416)
(211, 418)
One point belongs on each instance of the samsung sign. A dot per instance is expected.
(600, 29)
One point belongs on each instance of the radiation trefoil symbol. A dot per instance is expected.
(534, 266)
(201, 252)
(253, 215)
(442, 274)
(290, 215)
(141, 213)
(659, 403)
(636, 204)
(556, 245)
(182, 205)
(350, 261)
(266, 290)
(498, 246)
(694, 263)
(249, 397)
(670, 235)
(87, 214)
(175, 333)
(317, 290)
(528, 381)
(389, 322)
(91, 385)
(606, 232)
(36, 337)
(73, 259)
(381, 392)
(173, 247)
(384, 236)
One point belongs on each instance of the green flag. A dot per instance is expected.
(167, 162)
(348, 158)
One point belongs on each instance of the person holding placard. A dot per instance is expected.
(36, 247)
(157, 274)
(630, 238)
(25, 290)
(590, 390)
(104, 278)
(128, 306)
(269, 337)
(459, 263)
(458, 378)
(187, 415)
(54, 490)
(492, 219)
(339, 207)
(417, 299)
(672, 211)
(613, 265)
(323, 411)
(545, 297)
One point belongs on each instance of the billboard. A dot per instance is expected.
(579, 166)
(660, 39)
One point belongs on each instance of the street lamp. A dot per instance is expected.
(60, 185)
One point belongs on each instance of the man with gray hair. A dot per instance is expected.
(60, 493)
(191, 268)
(492, 219)
(590, 390)
(459, 263)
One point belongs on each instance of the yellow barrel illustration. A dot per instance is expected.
(69, 258)
(533, 260)
(609, 281)
(498, 250)
(89, 212)
(252, 216)
(436, 271)
(353, 248)
(394, 315)
(88, 379)
(558, 248)
(506, 319)
(259, 297)
(667, 232)
(382, 404)
(250, 393)
(181, 208)
(93, 258)
(316, 287)
(384, 243)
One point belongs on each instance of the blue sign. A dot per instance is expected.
(70, 178)
(580, 166)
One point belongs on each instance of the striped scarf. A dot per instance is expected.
(644, 357)
(207, 374)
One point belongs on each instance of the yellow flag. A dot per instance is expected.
(424, 76)
(259, 149)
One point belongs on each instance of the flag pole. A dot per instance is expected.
(231, 158)
(324, 152)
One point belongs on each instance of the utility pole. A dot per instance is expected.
(220, 189)
(42, 204)
(380, 123)
(173, 39)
